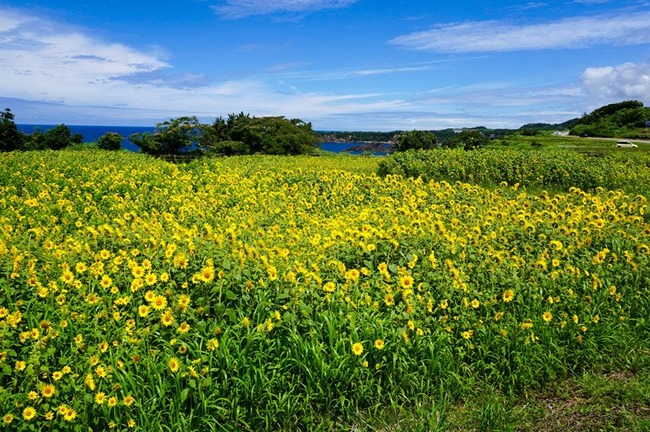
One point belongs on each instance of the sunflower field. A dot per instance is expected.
(270, 293)
(556, 169)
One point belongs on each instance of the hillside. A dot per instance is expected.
(621, 119)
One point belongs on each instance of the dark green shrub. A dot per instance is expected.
(172, 137)
(468, 140)
(229, 148)
(10, 137)
(110, 141)
(416, 140)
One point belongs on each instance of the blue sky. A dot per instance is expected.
(340, 64)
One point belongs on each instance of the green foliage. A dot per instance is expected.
(243, 134)
(415, 140)
(10, 137)
(172, 137)
(229, 148)
(357, 136)
(553, 169)
(57, 138)
(614, 120)
(467, 140)
(110, 141)
(34, 141)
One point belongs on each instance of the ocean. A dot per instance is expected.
(93, 133)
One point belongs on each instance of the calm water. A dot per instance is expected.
(93, 133)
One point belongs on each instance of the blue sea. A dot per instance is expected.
(93, 133)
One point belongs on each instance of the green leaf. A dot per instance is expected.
(305, 309)
(232, 316)
(219, 310)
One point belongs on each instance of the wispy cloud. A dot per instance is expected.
(335, 75)
(58, 72)
(11, 19)
(44, 56)
(345, 74)
(528, 6)
(54, 72)
(236, 9)
(494, 36)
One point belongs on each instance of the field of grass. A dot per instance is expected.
(547, 140)
(309, 293)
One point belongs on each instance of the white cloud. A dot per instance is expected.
(10, 20)
(47, 61)
(490, 36)
(626, 81)
(235, 9)
(53, 73)
(69, 72)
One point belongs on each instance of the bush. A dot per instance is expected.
(416, 140)
(172, 137)
(468, 140)
(57, 138)
(110, 141)
(229, 148)
(269, 135)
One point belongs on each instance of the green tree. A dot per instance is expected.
(174, 136)
(34, 141)
(282, 136)
(416, 140)
(57, 138)
(228, 148)
(243, 134)
(110, 141)
(10, 137)
(468, 140)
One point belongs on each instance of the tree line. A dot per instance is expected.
(237, 134)
(54, 139)
(241, 134)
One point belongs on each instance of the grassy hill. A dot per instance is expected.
(621, 119)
